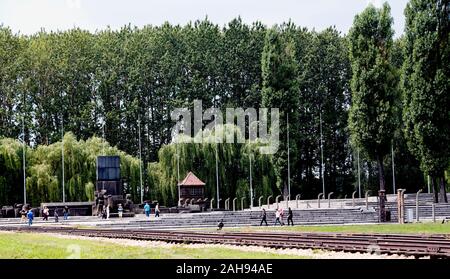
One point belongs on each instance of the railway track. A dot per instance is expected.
(435, 246)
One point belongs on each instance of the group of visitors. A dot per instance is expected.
(279, 215)
(105, 213)
(147, 209)
(29, 215)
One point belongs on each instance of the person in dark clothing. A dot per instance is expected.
(157, 210)
(55, 214)
(66, 212)
(220, 225)
(264, 217)
(289, 219)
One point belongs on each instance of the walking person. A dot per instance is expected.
(120, 210)
(104, 212)
(147, 209)
(45, 214)
(157, 210)
(220, 225)
(66, 212)
(30, 217)
(55, 214)
(289, 219)
(23, 214)
(282, 216)
(264, 217)
(277, 217)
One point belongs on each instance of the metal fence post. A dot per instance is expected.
(286, 198)
(268, 201)
(399, 205)
(329, 199)
(234, 204)
(227, 204)
(211, 203)
(297, 198)
(353, 198)
(417, 205)
(259, 201)
(242, 203)
(367, 199)
(318, 200)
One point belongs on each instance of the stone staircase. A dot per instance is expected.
(249, 218)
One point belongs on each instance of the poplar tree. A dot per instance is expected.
(426, 86)
(374, 87)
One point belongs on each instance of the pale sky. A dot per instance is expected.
(29, 16)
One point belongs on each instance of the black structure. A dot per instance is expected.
(109, 187)
(108, 175)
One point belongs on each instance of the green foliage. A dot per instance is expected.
(109, 80)
(280, 90)
(200, 159)
(11, 181)
(374, 81)
(44, 170)
(426, 84)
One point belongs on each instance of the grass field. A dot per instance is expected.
(44, 246)
(420, 228)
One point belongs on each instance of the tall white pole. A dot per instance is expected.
(288, 158)
(140, 160)
(359, 178)
(62, 161)
(393, 169)
(251, 183)
(178, 172)
(24, 164)
(217, 162)
(428, 182)
(104, 140)
(321, 156)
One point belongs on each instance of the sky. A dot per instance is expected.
(29, 16)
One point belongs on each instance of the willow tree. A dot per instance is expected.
(200, 159)
(426, 86)
(11, 171)
(374, 86)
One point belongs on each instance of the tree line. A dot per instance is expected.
(107, 83)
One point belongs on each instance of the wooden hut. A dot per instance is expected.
(191, 188)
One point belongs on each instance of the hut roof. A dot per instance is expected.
(191, 180)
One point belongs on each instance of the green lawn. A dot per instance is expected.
(43, 246)
(420, 228)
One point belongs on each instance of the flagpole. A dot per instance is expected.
(393, 169)
(359, 178)
(217, 162)
(140, 160)
(62, 155)
(178, 171)
(251, 182)
(24, 163)
(321, 156)
(288, 158)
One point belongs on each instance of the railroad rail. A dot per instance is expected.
(435, 246)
